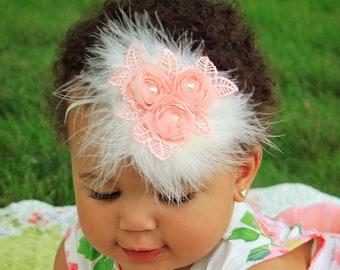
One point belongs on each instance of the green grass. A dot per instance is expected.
(302, 44)
(300, 39)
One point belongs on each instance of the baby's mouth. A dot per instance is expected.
(144, 255)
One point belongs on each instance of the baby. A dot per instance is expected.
(165, 106)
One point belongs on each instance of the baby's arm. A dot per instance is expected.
(297, 259)
(60, 259)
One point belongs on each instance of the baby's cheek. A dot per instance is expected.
(203, 239)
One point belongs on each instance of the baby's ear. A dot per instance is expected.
(246, 173)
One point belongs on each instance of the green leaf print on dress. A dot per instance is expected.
(100, 261)
(104, 264)
(259, 253)
(250, 220)
(245, 234)
(250, 233)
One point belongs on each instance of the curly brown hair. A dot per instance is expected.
(228, 41)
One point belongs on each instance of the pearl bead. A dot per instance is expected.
(153, 89)
(190, 85)
(175, 117)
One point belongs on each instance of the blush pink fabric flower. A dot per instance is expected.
(171, 120)
(146, 85)
(168, 101)
(195, 89)
(165, 127)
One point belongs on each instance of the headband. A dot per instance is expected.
(161, 106)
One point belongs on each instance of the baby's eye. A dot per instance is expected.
(173, 200)
(109, 196)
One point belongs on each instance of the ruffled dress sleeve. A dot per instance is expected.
(253, 238)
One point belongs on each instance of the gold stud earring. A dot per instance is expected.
(243, 192)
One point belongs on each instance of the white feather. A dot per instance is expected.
(232, 118)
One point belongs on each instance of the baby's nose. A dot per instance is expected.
(138, 218)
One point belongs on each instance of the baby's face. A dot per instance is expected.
(125, 222)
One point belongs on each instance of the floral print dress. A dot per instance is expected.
(250, 239)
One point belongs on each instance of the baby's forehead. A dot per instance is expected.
(89, 176)
(88, 173)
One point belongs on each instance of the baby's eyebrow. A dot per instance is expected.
(85, 174)
(198, 189)
(88, 176)
(92, 180)
(87, 179)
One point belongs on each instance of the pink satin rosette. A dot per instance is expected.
(195, 88)
(146, 85)
(168, 101)
(171, 120)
